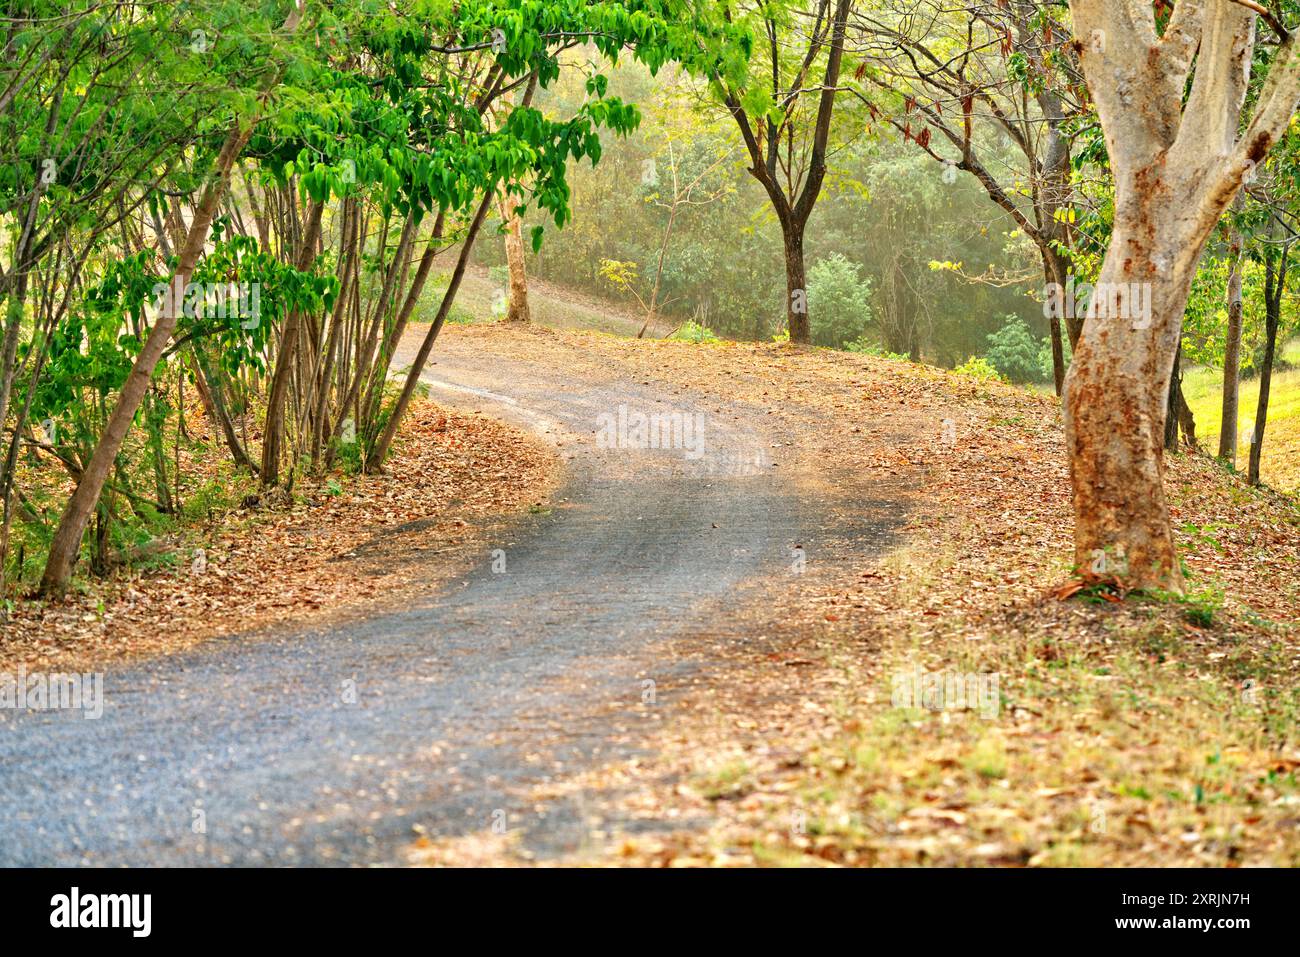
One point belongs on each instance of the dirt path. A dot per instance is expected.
(330, 746)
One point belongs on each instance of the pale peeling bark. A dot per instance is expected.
(1176, 170)
(517, 308)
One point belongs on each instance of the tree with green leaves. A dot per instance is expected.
(991, 89)
(784, 108)
(215, 135)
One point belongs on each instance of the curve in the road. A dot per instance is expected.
(328, 746)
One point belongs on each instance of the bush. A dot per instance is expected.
(694, 332)
(977, 367)
(838, 301)
(862, 346)
(1016, 353)
(1045, 356)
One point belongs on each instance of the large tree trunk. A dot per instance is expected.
(67, 538)
(1115, 406)
(1178, 159)
(1232, 357)
(518, 302)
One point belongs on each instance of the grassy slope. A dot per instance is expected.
(1281, 462)
(559, 308)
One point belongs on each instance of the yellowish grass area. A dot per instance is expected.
(1280, 465)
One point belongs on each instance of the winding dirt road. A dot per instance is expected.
(329, 746)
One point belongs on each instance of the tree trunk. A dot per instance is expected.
(1055, 277)
(1116, 395)
(796, 285)
(1186, 420)
(1058, 356)
(1175, 141)
(213, 398)
(380, 452)
(518, 302)
(794, 211)
(394, 336)
(67, 538)
(273, 435)
(1232, 357)
(1172, 410)
(9, 348)
(1274, 283)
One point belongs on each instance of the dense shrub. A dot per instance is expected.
(977, 367)
(1016, 352)
(839, 300)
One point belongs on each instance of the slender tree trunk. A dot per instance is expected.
(796, 285)
(9, 348)
(380, 452)
(374, 391)
(1053, 277)
(1058, 356)
(794, 211)
(1175, 393)
(1232, 357)
(518, 303)
(259, 216)
(213, 399)
(67, 538)
(273, 435)
(349, 231)
(369, 343)
(1274, 283)
(17, 278)
(1186, 420)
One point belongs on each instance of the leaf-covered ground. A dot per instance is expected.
(1149, 731)
(340, 545)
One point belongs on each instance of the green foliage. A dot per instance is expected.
(110, 129)
(694, 332)
(977, 367)
(460, 316)
(1015, 352)
(1046, 367)
(864, 347)
(839, 299)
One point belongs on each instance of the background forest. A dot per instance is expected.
(246, 208)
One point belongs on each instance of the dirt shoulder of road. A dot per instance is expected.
(340, 546)
(941, 702)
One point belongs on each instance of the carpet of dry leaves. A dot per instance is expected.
(1148, 731)
(338, 546)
